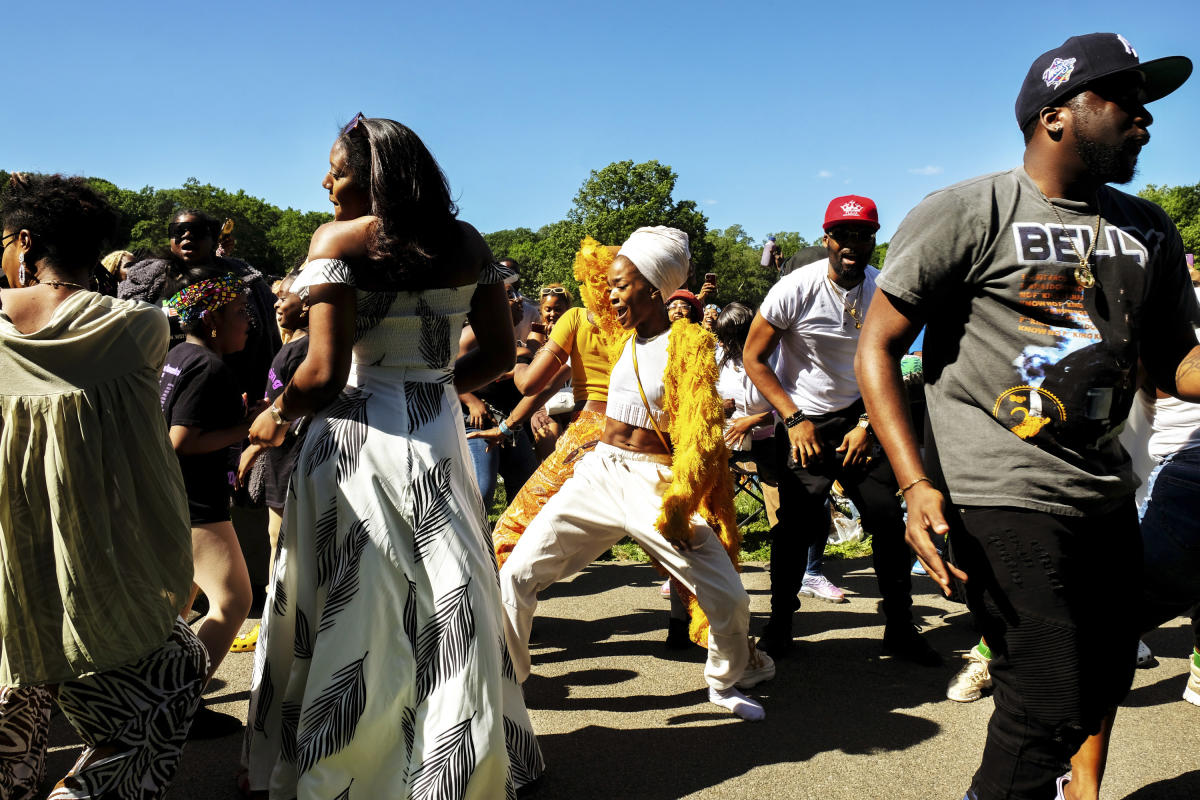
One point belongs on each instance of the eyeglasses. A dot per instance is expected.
(197, 230)
(352, 124)
(12, 237)
(679, 305)
(548, 290)
(850, 235)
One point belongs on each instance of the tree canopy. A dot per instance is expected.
(1182, 204)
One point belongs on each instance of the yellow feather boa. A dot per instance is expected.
(700, 479)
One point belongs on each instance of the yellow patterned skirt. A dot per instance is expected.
(579, 437)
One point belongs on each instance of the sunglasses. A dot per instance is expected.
(197, 230)
(11, 237)
(352, 124)
(549, 290)
(850, 235)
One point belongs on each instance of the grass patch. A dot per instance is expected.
(756, 536)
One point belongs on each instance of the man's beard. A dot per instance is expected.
(1109, 163)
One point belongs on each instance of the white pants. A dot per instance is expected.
(615, 493)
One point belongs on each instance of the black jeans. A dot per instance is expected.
(1063, 642)
(804, 518)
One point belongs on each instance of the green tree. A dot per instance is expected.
(622, 197)
(737, 261)
(789, 243)
(1182, 204)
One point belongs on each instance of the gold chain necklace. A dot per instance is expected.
(1083, 273)
(850, 308)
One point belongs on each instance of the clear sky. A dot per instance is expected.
(766, 110)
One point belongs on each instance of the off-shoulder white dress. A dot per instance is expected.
(381, 670)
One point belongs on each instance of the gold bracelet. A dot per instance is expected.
(914, 483)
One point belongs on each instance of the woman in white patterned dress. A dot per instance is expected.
(381, 670)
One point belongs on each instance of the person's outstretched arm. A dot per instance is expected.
(890, 327)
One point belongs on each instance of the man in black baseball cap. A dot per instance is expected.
(1067, 69)
(1041, 288)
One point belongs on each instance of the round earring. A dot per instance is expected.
(21, 273)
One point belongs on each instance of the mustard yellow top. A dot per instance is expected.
(589, 357)
(94, 533)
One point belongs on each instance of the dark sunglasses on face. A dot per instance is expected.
(196, 230)
(850, 235)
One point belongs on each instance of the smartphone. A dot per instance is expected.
(710, 277)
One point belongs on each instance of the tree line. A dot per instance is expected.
(611, 203)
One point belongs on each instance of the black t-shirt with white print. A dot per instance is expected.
(198, 390)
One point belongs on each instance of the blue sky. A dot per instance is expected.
(766, 110)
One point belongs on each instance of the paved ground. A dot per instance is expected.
(618, 716)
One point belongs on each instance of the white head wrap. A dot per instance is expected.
(661, 255)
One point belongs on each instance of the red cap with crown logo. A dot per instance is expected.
(851, 208)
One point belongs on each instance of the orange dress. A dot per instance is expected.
(590, 367)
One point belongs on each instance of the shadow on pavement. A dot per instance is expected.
(1183, 787)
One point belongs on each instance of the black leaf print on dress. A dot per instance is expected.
(343, 584)
(410, 616)
(445, 641)
(266, 695)
(510, 789)
(289, 721)
(524, 755)
(329, 722)
(325, 539)
(424, 402)
(506, 662)
(434, 344)
(345, 793)
(303, 646)
(372, 308)
(431, 507)
(408, 725)
(279, 603)
(446, 771)
(342, 430)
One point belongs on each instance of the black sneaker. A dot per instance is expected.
(776, 639)
(906, 644)
(677, 634)
(209, 724)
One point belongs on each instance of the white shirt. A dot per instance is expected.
(1174, 423)
(734, 384)
(816, 351)
(624, 400)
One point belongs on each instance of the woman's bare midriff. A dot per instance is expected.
(632, 438)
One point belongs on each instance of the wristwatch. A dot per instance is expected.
(864, 422)
(795, 419)
(276, 416)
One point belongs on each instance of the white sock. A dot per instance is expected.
(742, 706)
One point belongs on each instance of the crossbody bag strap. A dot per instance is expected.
(642, 392)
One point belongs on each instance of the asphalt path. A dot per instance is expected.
(620, 716)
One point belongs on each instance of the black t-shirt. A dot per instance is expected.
(198, 390)
(280, 461)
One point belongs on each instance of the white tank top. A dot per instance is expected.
(624, 401)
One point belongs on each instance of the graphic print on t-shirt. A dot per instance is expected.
(1069, 348)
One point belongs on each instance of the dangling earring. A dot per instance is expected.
(21, 273)
(212, 334)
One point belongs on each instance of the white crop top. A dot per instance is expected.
(624, 401)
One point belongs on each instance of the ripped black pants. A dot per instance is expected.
(1042, 588)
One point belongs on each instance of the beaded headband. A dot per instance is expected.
(194, 301)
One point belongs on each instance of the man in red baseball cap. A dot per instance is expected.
(1041, 288)
(812, 318)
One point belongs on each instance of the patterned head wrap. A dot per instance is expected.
(194, 301)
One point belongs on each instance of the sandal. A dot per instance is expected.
(245, 644)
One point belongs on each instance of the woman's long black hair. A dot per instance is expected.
(409, 195)
(733, 325)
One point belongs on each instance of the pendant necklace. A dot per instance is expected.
(851, 309)
(1083, 273)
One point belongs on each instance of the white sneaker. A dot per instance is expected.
(1192, 692)
(821, 588)
(760, 667)
(971, 681)
(1145, 658)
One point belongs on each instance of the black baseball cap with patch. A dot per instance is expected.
(1068, 68)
